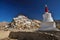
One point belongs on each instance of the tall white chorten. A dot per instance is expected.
(48, 23)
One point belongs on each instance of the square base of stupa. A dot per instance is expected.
(48, 26)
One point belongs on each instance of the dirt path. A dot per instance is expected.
(4, 34)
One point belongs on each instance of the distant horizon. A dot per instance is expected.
(28, 17)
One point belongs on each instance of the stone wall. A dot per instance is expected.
(34, 36)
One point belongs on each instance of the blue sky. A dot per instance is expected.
(31, 8)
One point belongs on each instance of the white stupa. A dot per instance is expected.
(48, 23)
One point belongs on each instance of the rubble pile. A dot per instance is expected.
(21, 22)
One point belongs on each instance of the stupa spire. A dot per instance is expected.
(46, 8)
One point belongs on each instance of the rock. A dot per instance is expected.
(21, 22)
